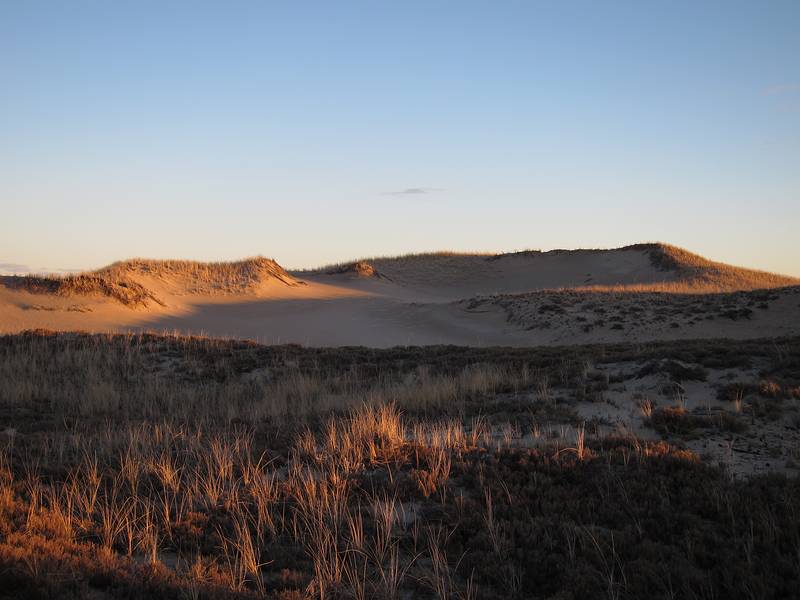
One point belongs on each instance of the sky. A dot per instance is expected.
(316, 132)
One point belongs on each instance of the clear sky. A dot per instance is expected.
(315, 132)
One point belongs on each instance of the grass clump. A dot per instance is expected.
(676, 420)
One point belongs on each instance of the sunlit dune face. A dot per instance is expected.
(646, 291)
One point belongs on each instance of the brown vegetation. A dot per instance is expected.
(359, 268)
(121, 289)
(118, 281)
(688, 273)
(142, 283)
(205, 277)
(630, 307)
(700, 275)
(144, 466)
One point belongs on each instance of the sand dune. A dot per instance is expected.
(641, 292)
(455, 276)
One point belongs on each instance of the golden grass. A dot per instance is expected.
(689, 274)
(710, 283)
(232, 276)
(700, 275)
(410, 257)
(121, 289)
(349, 487)
(695, 274)
(90, 377)
(359, 269)
(312, 502)
(118, 281)
(130, 493)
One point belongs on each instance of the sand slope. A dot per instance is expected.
(642, 292)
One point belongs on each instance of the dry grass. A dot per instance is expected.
(708, 283)
(360, 268)
(201, 492)
(205, 277)
(121, 289)
(118, 281)
(311, 503)
(700, 275)
(639, 308)
(326, 520)
(122, 281)
(409, 258)
(144, 466)
(92, 376)
(694, 274)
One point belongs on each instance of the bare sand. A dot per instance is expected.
(514, 299)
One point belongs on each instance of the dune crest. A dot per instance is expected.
(654, 267)
(700, 274)
(123, 290)
(360, 268)
(205, 277)
(640, 292)
(130, 282)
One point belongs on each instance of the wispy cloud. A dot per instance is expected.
(9, 268)
(415, 191)
(783, 88)
(13, 268)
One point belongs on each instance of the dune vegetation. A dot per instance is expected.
(695, 274)
(204, 277)
(152, 466)
(633, 309)
(122, 282)
(684, 271)
(122, 289)
(142, 283)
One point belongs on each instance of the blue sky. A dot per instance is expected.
(320, 131)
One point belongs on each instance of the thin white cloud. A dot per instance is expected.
(9, 268)
(415, 191)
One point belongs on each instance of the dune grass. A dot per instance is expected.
(407, 258)
(118, 281)
(642, 308)
(700, 275)
(230, 276)
(145, 466)
(121, 289)
(689, 274)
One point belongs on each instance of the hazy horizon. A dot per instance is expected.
(321, 133)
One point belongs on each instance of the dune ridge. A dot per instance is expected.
(123, 290)
(120, 281)
(639, 292)
(130, 281)
(360, 268)
(680, 271)
(700, 275)
(205, 277)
